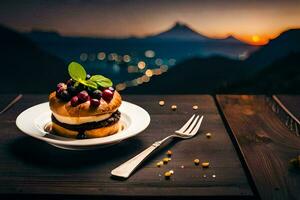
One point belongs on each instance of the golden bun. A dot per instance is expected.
(93, 133)
(82, 110)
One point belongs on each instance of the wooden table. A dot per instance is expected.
(266, 143)
(31, 167)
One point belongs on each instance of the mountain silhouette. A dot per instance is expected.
(25, 67)
(218, 74)
(179, 31)
(182, 31)
(286, 43)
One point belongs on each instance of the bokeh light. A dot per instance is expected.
(141, 65)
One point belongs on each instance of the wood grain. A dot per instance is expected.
(267, 145)
(31, 167)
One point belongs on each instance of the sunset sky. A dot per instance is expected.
(251, 21)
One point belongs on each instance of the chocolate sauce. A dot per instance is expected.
(114, 118)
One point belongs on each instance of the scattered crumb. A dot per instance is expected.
(166, 160)
(174, 107)
(169, 153)
(205, 164)
(195, 107)
(197, 161)
(161, 102)
(208, 135)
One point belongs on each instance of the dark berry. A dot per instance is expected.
(95, 102)
(72, 90)
(60, 90)
(88, 76)
(74, 101)
(111, 89)
(70, 82)
(107, 95)
(80, 87)
(90, 90)
(83, 96)
(64, 95)
(97, 94)
(61, 85)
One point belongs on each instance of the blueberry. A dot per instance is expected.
(70, 82)
(72, 90)
(64, 95)
(79, 88)
(97, 94)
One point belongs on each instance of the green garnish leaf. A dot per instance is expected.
(90, 84)
(101, 81)
(76, 71)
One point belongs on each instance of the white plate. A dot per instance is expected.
(33, 120)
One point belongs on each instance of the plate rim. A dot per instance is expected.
(88, 142)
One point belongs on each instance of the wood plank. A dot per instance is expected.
(267, 145)
(30, 167)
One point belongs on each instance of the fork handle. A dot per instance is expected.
(125, 169)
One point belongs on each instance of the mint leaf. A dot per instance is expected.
(101, 81)
(76, 71)
(90, 84)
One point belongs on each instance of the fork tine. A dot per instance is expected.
(191, 127)
(195, 130)
(184, 127)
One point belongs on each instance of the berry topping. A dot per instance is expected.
(95, 102)
(97, 94)
(61, 85)
(70, 82)
(107, 95)
(60, 90)
(64, 95)
(74, 101)
(83, 96)
(72, 90)
(111, 89)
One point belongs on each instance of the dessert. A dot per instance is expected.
(85, 106)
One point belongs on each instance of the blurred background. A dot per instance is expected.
(158, 47)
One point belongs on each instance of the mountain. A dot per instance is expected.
(179, 31)
(281, 77)
(182, 32)
(286, 43)
(198, 75)
(25, 68)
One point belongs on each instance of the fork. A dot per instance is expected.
(188, 130)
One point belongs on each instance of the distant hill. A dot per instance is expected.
(275, 68)
(286, 43)
(194, 76)
(183, 40)
(179, 31)
(25, 67)
(183, 32)
(281, 77)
